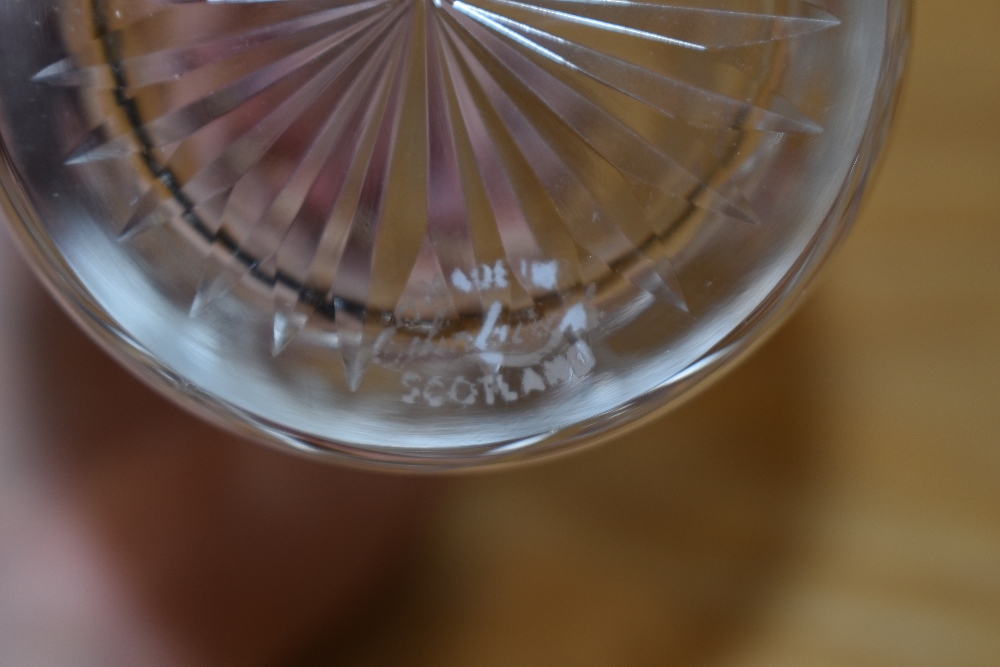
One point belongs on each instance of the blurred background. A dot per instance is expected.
(834, 501)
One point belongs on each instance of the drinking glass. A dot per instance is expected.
(437, 233)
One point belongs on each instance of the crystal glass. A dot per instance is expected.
(437, 233)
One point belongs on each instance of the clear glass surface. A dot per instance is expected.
(437, 233)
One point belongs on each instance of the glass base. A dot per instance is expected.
(437, 233)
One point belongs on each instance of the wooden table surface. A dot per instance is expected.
(834, 501)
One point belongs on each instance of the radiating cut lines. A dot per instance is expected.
(351, 154)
